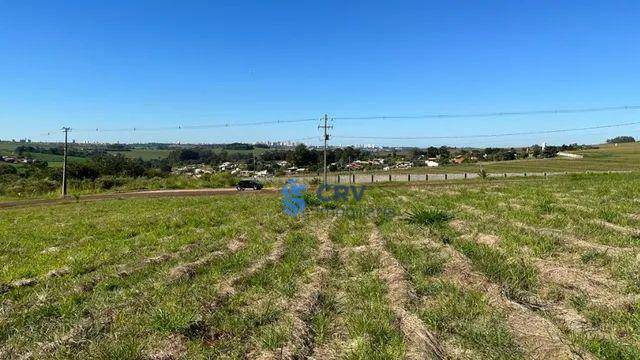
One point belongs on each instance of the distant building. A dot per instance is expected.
(431, 163)
(569, 155)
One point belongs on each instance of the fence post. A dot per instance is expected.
(545, 174)
(445, 176)
(372, 178)
(354, 178)
(389, 177)
(505, 174)
(465, 175)
(409, 177)
(426, 177)
(525, 174)
(338, 179)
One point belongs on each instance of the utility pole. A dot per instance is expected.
(64, 163)
(326, 138)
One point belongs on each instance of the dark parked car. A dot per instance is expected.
(248, 184)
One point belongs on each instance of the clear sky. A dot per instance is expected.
(117, 64)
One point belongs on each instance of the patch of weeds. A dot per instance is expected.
(371, 321)
(579, 302)
(468, 316)
(382, 215)
(366, 261)
(420, 263)
(427, 216)
(608, 215)
(80, 265)
(611, 349)
(555, 293)
(321, 320)
(311, 199)
(596, 257)
(123, 349)
(546, 206)
(515, 274)
(273, 336)
(176, 320)
(350, 233)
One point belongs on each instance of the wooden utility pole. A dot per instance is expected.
(326, 138)
(64, 163)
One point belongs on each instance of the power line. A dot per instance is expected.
(488, 135)
(491, 114)
(383, 117)
(196, 127)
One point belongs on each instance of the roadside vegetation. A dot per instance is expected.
(121, 167)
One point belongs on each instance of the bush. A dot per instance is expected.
(29, 187)
(6, 169)
(219, 180)
(429, 217)
(109, 182)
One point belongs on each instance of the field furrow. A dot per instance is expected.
(421, 342)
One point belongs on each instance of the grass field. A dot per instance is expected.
(535, 268)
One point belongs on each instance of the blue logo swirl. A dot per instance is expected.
(293, 200)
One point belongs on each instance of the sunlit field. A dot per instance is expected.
(502, 268)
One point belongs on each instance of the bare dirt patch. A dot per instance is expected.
(459, 225)
(471, 210)
(158, 259)
(50, 250)
(597, 287)
(236, 244)
(488, 239)
(58, 272)
(618, 228)
(173, 348)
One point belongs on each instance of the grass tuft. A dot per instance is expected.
(428, 217)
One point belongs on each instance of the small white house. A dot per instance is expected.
(431, 163)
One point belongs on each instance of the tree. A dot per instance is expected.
(621, 139)
(301, 156)
(432, 151)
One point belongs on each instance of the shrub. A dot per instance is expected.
(109, 182)
(429, 217)
(6, 169)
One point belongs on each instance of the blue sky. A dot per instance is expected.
(116, 64)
